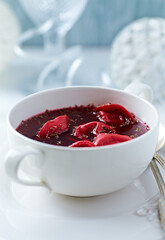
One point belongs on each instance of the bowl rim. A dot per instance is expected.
(66, 148)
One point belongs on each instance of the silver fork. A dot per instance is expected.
(161, 185)
(160, 160)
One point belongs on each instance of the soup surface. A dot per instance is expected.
(84, 126)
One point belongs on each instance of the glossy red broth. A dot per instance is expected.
(84, 126)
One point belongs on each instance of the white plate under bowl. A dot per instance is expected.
(33, 213)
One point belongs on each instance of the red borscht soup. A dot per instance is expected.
(84, 126)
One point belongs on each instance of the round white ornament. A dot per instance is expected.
(9, 33)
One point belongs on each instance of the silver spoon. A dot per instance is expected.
(158, 176)
(161, 185)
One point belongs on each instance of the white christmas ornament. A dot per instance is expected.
(9, 32)
(138, 53)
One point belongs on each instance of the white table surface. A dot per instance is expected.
(13, 82)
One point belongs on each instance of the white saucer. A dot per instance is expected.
(35, 214)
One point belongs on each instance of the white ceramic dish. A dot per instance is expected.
(83, 171)
(35, 214)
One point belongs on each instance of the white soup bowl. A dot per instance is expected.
(82, 171)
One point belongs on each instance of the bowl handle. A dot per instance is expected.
(140, 89)
(13, 161)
